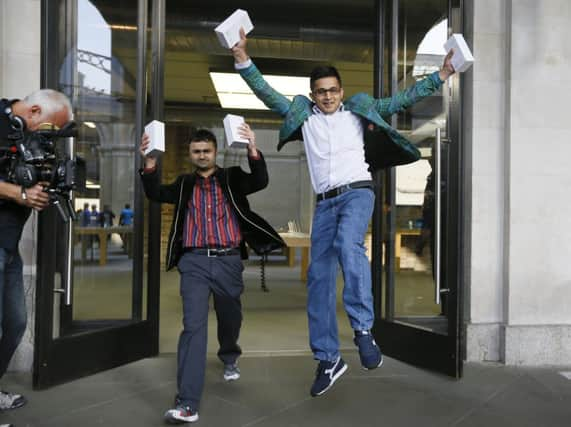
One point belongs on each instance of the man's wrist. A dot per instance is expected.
(9, 191)
(443, 76)
(254, 154)
(149, 169)
(240, 65)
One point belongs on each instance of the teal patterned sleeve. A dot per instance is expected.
(274, 100)
(402, 100)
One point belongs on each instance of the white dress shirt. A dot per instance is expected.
(335, 149)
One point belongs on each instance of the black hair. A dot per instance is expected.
(321, 72)
(203, 135)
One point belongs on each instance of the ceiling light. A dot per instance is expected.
(90, 125)
(233, 92)
(92, 185)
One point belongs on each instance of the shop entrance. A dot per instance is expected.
(99, 288)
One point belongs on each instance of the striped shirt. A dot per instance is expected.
(210, 221)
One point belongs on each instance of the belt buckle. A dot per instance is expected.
(211, 251)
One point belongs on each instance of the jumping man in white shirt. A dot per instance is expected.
(333, 137)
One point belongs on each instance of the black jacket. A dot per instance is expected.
(236, 185)
(12, 215)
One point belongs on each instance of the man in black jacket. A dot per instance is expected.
(16, 203)
(212, 221)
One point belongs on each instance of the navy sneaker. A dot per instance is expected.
(181, 414)
(327, 373)
(369, 351)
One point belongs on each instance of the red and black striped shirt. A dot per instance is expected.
(210, 221)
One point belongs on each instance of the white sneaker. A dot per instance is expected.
(11, 401)
(231, 372)
(184, 414)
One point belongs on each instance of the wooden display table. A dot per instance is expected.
(125, 231)
(398, 242)
(295, 240)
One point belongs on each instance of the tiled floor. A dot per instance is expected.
(273, 391)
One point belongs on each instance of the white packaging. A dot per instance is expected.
(231, 124)
(156, 132)
(228, 32)
(462, 58)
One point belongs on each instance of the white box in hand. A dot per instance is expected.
(462, 59)
(156, 132)
(228, 32)
(233, 138)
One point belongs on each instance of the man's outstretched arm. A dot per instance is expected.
(421, 89)
(274, 100)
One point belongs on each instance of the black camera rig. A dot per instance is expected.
(33, 157)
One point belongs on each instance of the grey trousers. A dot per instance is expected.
(200, 276)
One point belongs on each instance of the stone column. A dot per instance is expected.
(485, 131)
(518, 126)
(538, 225)
(20, 38)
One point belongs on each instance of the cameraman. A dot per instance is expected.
(42, 107)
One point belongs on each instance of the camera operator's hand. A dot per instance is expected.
(150, 161)
(36, 197)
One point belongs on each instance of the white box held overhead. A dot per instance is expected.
(156, 132)
(228, 32)
(231, 124)
(462, 58)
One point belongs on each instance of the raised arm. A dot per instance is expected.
(274, 100)
(421, 89)
(151, 180)
(258, 178)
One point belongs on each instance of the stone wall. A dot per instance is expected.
(520, 284)
(19, 76)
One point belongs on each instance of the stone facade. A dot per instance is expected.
(519, 279)
(20, 75)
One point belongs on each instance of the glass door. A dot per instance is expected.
(418, 316)
(95, 309)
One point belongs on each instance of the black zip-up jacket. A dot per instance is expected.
(236, 185)
(12, 215)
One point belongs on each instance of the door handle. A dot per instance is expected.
(437, 212)
(68, 265)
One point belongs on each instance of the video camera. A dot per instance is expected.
(33, 157)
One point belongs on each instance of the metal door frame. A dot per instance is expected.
(70, 357)
(415, 345)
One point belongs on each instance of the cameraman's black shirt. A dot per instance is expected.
(12, 215)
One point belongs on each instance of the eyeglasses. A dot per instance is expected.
(323, 92)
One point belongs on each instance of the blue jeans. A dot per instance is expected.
(12, 306)
(337, 234)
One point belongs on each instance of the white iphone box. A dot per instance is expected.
(228, 32)
(462, 59)
(156, 132)
(231, 124)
